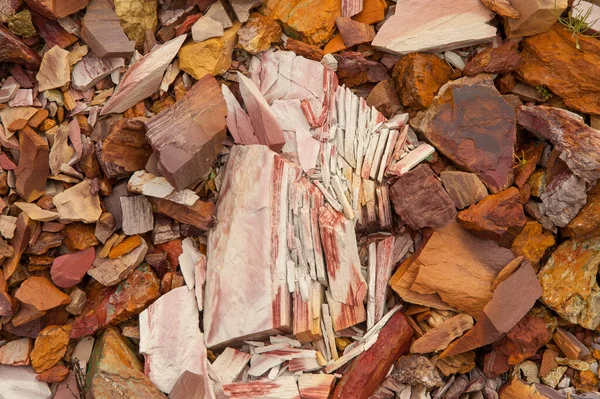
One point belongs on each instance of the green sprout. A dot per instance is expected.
(577, 23)
(521, 162)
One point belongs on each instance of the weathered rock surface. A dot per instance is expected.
(68, 270)
(78, 203)
(419, 77)
(532, 243)
(20, 382)
(458, 125)
(54, 9)
(258, 33)
(503, 59)
(54, 71)
(137, 16)
(109, 272)
(569, 282)
(384, 98)
(419, 199)
(464, 188)
(125, 149)
(33, 168)
(50, 346)
(502, 7)
(12, 49)
(535, 16)
(41, 294)
(355, 69)
(562, 201)
(102, 31)
(439, 337)
(585, 224)
(552, 60)
(354, 32)
(416, 370)
(16, 352)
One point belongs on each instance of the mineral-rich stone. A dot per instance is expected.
(532, 243)
(41, 293)
(305, 50)
(78, 300)
(258, 33)
(114, 370)
(569, 281)
(354, 32)
(79, 236)
(585, 224)
(373, 11)
(68, 270)
(311, 22)
(90, 70)
(355, 69)
(210, 57)
(529, 156)
(109, 272)
(125, 149)
(419, 199)
(111, 305)
(20, 24)
(33, 168)
(552, 60)
(12, 49)
(384, 98)
(503, 59)
(54, 71)
(415, 370)
(102, 31)
(464, 188)
(55, 374)
(577, 143)
(419, 77)
(535, 16)
(50, 346)
(441, 335)
(458, 125)
(562, 201)
(498, 217)
(137, 16)
(16, 352)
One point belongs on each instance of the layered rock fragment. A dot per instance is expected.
(55, 9)
(33, 168)
(102, 31)
(534, 17)
(12, 49)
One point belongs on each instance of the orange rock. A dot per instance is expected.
(532, 243)
(334, 45)
(41, 294)
(50, 346)
(129, 244)
(306, 20)
(552, 60)
(419, 77)
(586, 223)
(79, 236)
(373, 11)
(55, 374)
(258, 33)
(588, 378)
(503, 59)
(529, 156)
(305, 50)
(173, 249)
(519, 389)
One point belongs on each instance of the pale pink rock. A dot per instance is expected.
(20, 382)
(68, 270)
(411, 160)
(351, 7)
(92, 69)
(8, 90)
(23, 98)
(238, 121)
(16, 352)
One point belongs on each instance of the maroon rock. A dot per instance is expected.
(503, 59)
(12, 49)
(68, 270)
(420, 200)
(51, 31)
(354, 69)
(459, 125)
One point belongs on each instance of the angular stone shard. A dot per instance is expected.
(241, 260)
(585, 224)
(21, 382)
(384, 98)
(536, 16)
(143, 78)
(33, 168)
(102, 31)
(23, 231)
(188, 386)
(125, 149)
(50, 346)
(562, 201)
(200, 215)
(284, 387)
(258, 33)
(439, 337)
(78, 204)
(453, 124)
(55, 9)
(91, 70)
(569, 284)
(503, 59)
(552, 60)
(137, 17)
(419, 199)
(315, 386)
(114, 370)
(109, 272)
(54, 71)
(502, 7)
(354, 32)
(40, 293)
(12, 49)
(464, 188)
(137, 215)
(435, 26)
(68, 270)
(187, 137)
(16, 352)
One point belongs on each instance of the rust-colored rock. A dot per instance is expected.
(125, 247)
(585, 224)
(50, 346)
(532, 243)
(503, 59)
(384, 98)
(529, 155)
(458, 124)
(258, 33)
(79, 236)
(419, 77)
(551, 59)
(354, 69)
(309, 51)
(125, 149)
(354, 32)
(420, 200)
(41, 294)
(519, 389)
(309, 21)
(33, 168)
(55, 374)
(373, 11)
(12, 49)
(365, 374)
(569, 281)
(502, 7)
(498, 217)
(111, 305)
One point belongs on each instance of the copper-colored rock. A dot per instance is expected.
(25, 227)
(419, 199)
(111, 305)
(335, 45)
(187, 137)
(125, 149)
(305, 50)
(384, 98)
(535, 16)
(79, 236)
(55, 374)
(498, 217)
(552, 60)
(50, 346)
(462, 364)
(33, 168)
(12, 49)
(41, 293)
(55, 9)
(519, 389)
(126, 246)
(585, 224)
(458, 125)
(532, 243)
(440, 336)
(44, 242)
(503, 59)
(529, 156)
(355, 69)
(365, 374)
(419, 77)
(464, 188)
(570, 346)
(354, 32)
(258, 33)
(502, 7)
(102, 31)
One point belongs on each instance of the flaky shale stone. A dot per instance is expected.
(458, 124)
(551, 59)
(115, 371)
(137, 16)
(569, 282)
(464, 188)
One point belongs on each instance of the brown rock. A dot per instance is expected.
(459, 364)
(33, 168)
(498, 217)
(354, 32)
(258, 33)
(79, 236)
(12, 49)
(503, 59)
(464, 188)
(68, 270)
(548, 362)
(188, 386)
(569, 283)
(419, 199)
(532, 243)
(51, 31)
(384, 98)
(570, 346)
(54, 71)
(415, 370)
(502, 7)
(373, 11)
(313, 23)
(440, 336)
(41, 294)
(552, 60)
(458, 125)
(125, 149)
(102, 31)
(44, 242)
(111, 305)
(354, 69)
(55, 374)
(114, 370)
(365, 374)
(55, 9)
(25, 227)
(16, 352)
(529, 156)
(187, 137)
(419, 77)
(585, 224)
(50, 346)
(305, 50)
(535, 16)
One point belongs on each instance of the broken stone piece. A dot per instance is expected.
(78, 203)
(55, 9)
(570, 345)
(258, 33)
(200, 215)
(40, 293)
(102, 31)
(373, 11)
(20, 382)
(440, 336)
(68, 270)
(503, 59)
(125, 148)
(33, 168)
(16, 352)
(54, 71)
(453, 125)
(354, 32)
(562, 201)
(463, 188)
(585, 224)
(136, 17)
(502, 7)
(188, 386)
(137, 215)
(535, 17)
(384, 98)
(109, 272)
(419, 199)
(91, 70)
(12, 49)
(50, 346)
(415, 370)
(532, 243)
